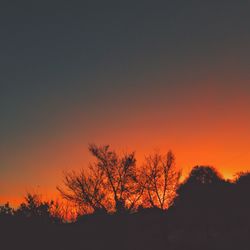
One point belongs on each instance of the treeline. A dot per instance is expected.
(112, 184)
(115, 204)
(115, 184)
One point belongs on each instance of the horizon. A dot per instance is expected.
(56, 196)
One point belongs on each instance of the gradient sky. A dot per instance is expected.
(139, 75)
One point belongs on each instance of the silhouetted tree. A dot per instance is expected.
(62, 212)
(35, 209)
(243, 178)
(241, 202)
(111, 183)
(200, 186)
(121, 178)
(201, 201)
(161, 180)
(86, 190)
(204, 175)
(6, 210)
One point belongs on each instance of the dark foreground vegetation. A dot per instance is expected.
(119, 206)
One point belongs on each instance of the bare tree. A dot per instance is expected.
(110, 184)
(86, 190)
(120, 177)
(161, 180)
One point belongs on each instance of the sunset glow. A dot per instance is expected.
(145, 83)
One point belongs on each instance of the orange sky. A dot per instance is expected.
(211, 131)
(139, 77)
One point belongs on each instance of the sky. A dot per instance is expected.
(142, 76)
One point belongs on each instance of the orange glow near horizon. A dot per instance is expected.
(220, 155)
(200, 131)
